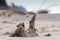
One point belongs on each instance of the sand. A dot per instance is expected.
(44, 27)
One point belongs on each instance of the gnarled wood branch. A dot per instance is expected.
(32, 21)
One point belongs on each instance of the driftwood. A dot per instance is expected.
(32, 30)
(20, 31)
(31, 23)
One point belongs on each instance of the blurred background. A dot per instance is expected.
(35, 5)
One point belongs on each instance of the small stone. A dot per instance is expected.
(47, 35)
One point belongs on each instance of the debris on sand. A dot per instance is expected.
(47, 35)
(20, 31)
(32, 30)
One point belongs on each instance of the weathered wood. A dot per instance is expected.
(32, 21)
(20, 31)
(32, 30)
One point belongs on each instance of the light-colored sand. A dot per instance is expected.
(44, 27)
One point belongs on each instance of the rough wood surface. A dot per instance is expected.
(32, 30)
(20, 31)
